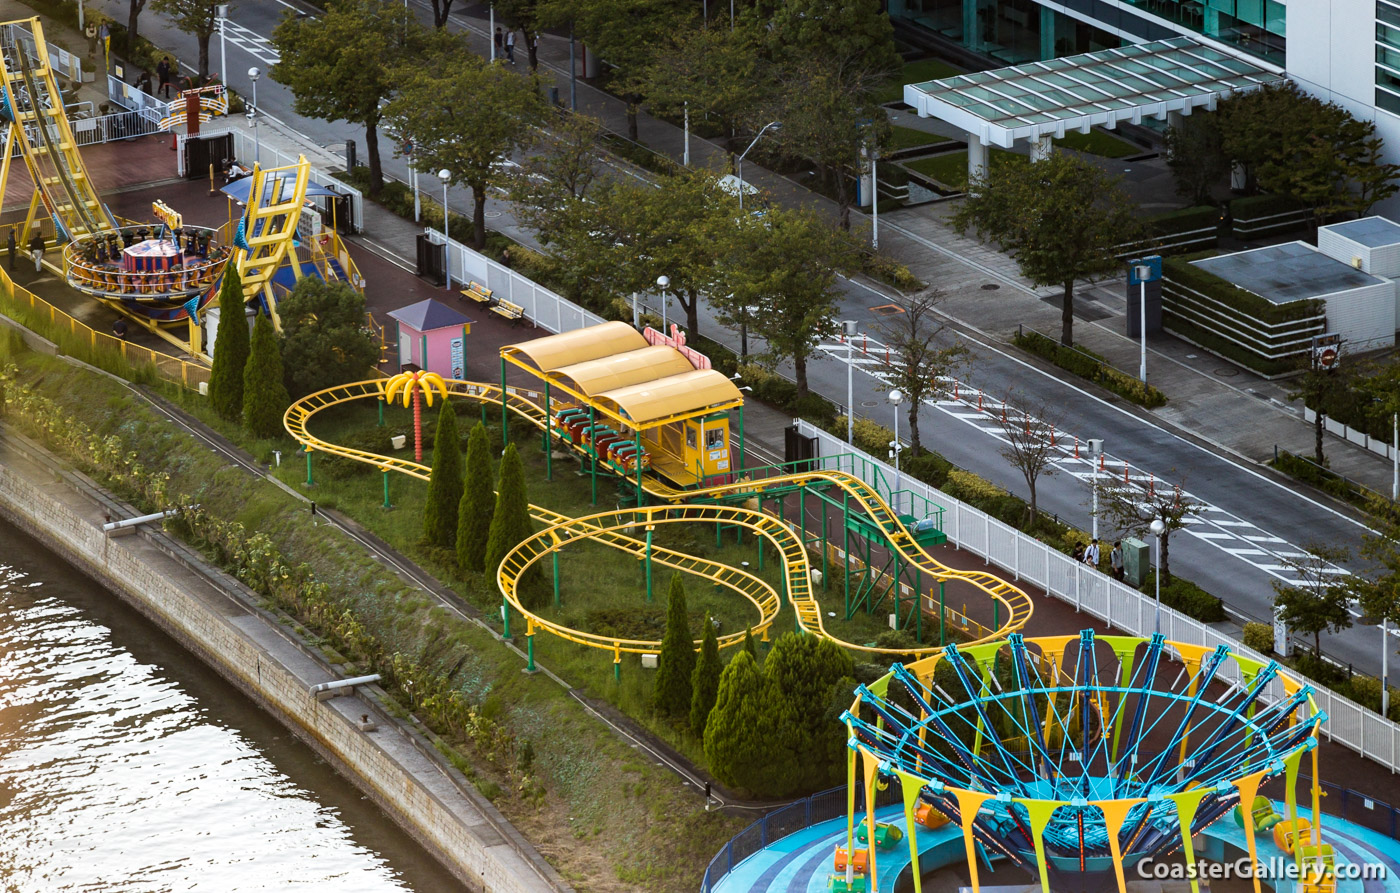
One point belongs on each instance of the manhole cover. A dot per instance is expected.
(990, 286)
(886, 310)
(492, 215)
(870, 403)
(1227, 372)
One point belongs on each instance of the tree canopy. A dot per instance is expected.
(343, 65)
(478, 503)
(325, 341)
(197, 17)
(676, 663)
(230, 349)
(1061, 219)
(445, 485)
(264, 395)
(469, 139)
(704, 681)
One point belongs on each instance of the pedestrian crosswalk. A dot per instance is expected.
(251, 42)
(988, 414)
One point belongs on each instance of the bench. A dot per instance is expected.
(507, 310)
(479, 293)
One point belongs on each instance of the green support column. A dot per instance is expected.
(482, 404)
(942, 639)
(826, 536)
(505, 618)
(617, 666)
(650, 529)
(741, 439)
(530, 651)
(638, 459)
(310, 481)
(505, 422)
(555, 556)
(918, 606)
(802, 513)
(897, 571)
(381, 411)
(846, 546)
(593, 448)
(386, 489)
(548, 436)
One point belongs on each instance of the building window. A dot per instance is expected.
(714, 439)
(1388, 56)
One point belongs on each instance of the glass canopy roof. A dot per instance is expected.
(1077, 92)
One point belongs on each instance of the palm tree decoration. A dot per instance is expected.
(416, 387)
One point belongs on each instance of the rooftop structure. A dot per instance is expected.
(1285, 273)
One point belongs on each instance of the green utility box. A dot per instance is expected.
(1137, 561)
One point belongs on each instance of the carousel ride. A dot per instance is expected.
(163, 274)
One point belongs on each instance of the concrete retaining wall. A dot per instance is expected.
(488, 855)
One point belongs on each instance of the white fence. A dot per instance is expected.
(543, 307)
(129, 97)
(246, 150)
(1360, 438)
(1026, 559)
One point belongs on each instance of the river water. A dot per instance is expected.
(128, 765)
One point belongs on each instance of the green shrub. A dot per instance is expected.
(511, 524)
(1182, 595)
(704, 680)
(1225, 347)
(1087, 364)
(478, 503)
(1259, 637)
(445, 485)
(1184, 220)
(231, 346)
(1255, 207)
(264, 395)
(676, 664)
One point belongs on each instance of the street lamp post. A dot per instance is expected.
(896, 397)
(221, 15)
(1385, 667)
(1143, 273)
(1095, 453)
(1158, 527)
(874, 199)
(848, 327)
(664, 282)
(444, 175)
(253, 74)
(743, 186)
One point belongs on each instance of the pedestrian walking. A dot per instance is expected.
(510, 47)
(12, 248)
(165, 71)
(500, 39)
(1115, 558)
(36, 250)
(1078, 554)
(119, 328)
(1091, 554)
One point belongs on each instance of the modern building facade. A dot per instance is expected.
(1344, 51)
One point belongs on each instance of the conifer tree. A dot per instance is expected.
(478, 503)
(264, 395)
(748, 643)
(677, 660)
(704, 682)
(230, 350)
(511, 522)
(445, 486)
(736, 736)
(808, 745)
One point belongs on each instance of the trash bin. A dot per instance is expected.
(1137, 561)
(554, 96)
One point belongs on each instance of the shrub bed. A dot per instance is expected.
(1087, 364)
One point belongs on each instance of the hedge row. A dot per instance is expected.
(1185, 220)
(1226, 348)
(1180, 269)
(1087, 364)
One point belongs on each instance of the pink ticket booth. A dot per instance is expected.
(433, 337)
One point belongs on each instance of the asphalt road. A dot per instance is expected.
(1241, 492)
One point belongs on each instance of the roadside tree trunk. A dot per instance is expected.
(478, 215)
(799, 365)
(376, 170)
(1067, 316)
(133, 14)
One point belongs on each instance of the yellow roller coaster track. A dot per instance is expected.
(604, 527)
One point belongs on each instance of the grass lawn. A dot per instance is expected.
(916, 73)
(908, 138)
(950, 168)
(602, 590)
(1096, 142)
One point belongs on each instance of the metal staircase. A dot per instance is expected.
(33, 106)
